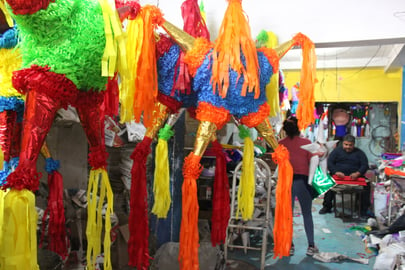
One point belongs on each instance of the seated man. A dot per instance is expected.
(347, 160)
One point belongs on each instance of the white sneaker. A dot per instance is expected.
(312, 250)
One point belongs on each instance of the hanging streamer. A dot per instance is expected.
(283, 218)
(161, 185)
(18, 248)
(246, 191)
(98, 191)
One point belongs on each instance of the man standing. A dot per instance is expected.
(347, 160)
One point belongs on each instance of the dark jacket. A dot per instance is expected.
(341, 161)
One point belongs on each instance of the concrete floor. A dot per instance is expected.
(331, 235)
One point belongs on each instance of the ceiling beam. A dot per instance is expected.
(396, 57)
(360, 43)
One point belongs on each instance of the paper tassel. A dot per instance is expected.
(140, 90)
(127, 9)
(115, 44)
(234, 37)
(188, 254)
(194, 23)
(220, 200)
(111, 98)
(98, 191)
(246, 191)
(305, 109)
(57, 239)
(18, 248)
(138, 243)
(7, 120)
(283, 218)
(161, 184)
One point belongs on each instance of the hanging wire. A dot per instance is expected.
(368, 62)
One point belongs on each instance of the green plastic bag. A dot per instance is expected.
(321, 182)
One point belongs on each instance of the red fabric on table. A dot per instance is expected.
(347, 180)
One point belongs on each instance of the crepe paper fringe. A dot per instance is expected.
(57, 236)
(168, 71)
(41, 79)
(23, 178)
(194, 23)
(91, 114)
(255, 118)
(195, 57)
(114, 52)
(9, 39)
(51, 165)
(283, 221)
(98, 157)
(306, 95)
(98, 191)
(236, 104)
(272, 57)
(210, 113)
(161, 183)
(13, 59)
(138, 244)
(28, 6)
(8, 167)
(246, 190)
(220, 200)
(234, 37)
(168, 68)
(188, 254)
(18, 245)
(89, 99)
(262, 38)
(10, 137)
(7, 121)
(163, 45)
(141, 94)
(172, 104)
(73, 46)
(134, 7)
(4, 173)
(111, 99)
(127, 91)
(12, 104)
(183, 82)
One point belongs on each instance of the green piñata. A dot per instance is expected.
(69, 38)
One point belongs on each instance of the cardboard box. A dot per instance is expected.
(119, 249)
